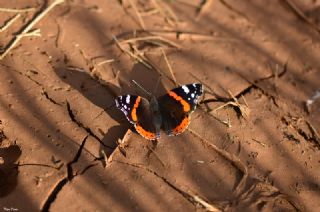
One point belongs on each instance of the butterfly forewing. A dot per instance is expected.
(137, 111)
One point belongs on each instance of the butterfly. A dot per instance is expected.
(170, 112)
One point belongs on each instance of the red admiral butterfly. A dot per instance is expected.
(170, 112)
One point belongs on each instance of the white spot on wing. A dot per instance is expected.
(128, 99)
(192, 95)
(185, 89)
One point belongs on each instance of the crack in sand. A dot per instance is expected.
(45, 93)
(70, 176)
(53, 195)
(314, 138)
(75, 160)
(81, 125)
(253, 85)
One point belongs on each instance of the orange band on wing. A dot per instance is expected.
(186, 105)
(146, 134)
(182, 126)
(134, 109)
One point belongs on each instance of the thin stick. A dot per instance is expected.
(162, 12)
(35, 32)
(259, 142)
(226, 104)
(105, 61)
(171, 43)
(192, 34)
(130, 53)
(203, 4)
(150, 12)
(10, 22)
(205, 204)
(162, 163)
(170, 11)
(245, 101)
(139, 86)
(27, 28)
(300, 14)
(138, 14)
(227, 5)
(9, 10)
(169, 67)
(73, 68)
(105, 158)
(39, 164)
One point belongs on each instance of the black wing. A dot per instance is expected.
(137, 111)
(176, 107)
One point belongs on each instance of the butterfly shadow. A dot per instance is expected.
(8, 169)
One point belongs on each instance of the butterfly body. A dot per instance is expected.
(170, 112)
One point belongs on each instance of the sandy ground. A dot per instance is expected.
(253, 142)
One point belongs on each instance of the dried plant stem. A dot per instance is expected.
(105, 61)
(169, 67)
(301, 14)
(9, 10)
(150, 12)
(148, 38)
(155, 3)
(203, 4)
(9, 22)
(35, 32)
(131, 54)
(143, 26)
(157, 156)
(28, 27)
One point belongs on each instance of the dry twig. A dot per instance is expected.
(28, 27)
(244, 110)
(162, 12)
(138, 14)
(301, 15)
(141, 60)
(105, 61)
(151, 38)
(9, 10)
(9, 22)
(202, 5)
(169, 67)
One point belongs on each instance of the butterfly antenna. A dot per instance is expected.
(144, 90)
